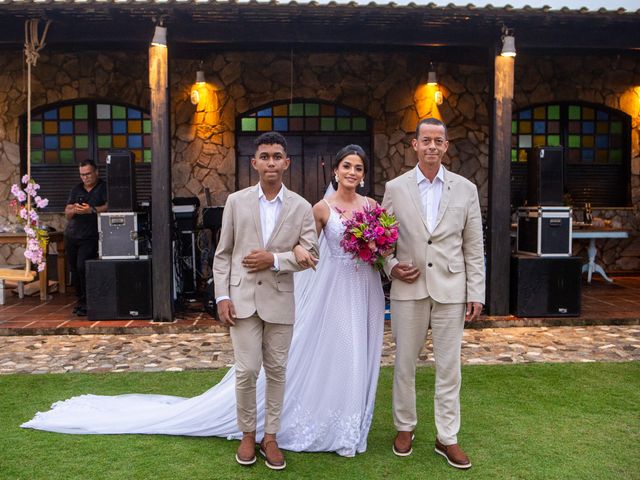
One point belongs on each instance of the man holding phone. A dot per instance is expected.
(86, 200)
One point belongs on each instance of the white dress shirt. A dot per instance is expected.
(430, 194)
(269, 212)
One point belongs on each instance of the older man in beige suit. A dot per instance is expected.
(253, 274)
(437, 275)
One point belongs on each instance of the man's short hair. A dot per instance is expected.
(271, 138)
(88, 162)
(432, 121)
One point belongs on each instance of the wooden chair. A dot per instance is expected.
(21, 277)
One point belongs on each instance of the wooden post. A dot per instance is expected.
(499, 218)
(162, 263)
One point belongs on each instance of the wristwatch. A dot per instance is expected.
(275, 262)
(93, 210)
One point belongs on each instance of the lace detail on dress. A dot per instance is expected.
(339, 426)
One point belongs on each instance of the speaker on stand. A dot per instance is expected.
(121, 181)
(212, 220)
(545, 177)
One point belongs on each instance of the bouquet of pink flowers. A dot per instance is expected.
(371, 235)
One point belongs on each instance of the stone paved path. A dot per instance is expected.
(202, 350)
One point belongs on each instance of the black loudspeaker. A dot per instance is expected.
(118, 289)
(545, 287)
(121, 181)
(212, 219)
(545, 176)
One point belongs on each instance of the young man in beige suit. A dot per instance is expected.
(253, 275)
(437, 275)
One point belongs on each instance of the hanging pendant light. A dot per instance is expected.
(159, 36)
(432, 78)
(508, 43)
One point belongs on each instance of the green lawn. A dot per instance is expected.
(543, 421)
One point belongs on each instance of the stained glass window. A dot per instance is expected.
(60, 135)
(301, 116)
(596, 147)
(588, 134)
(67, 134)
(595, 136)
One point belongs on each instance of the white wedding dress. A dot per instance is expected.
(332, 372)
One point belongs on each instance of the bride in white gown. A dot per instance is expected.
(333, 365)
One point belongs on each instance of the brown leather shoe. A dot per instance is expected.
(273, 457)
(454, 455)
(246, 453)
(403, 444)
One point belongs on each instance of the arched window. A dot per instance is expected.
(66, 133)
(596, 145)
(315, 130)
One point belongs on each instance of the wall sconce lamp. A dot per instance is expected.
(195, 91)
(160, 36)
(508, 43)
(432, 81)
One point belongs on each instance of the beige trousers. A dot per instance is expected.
(257, 343)
(410, 320)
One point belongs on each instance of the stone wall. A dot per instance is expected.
(387, 87)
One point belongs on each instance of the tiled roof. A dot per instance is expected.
(561, 6)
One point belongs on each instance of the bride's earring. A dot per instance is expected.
(362, 183)
(336, 178)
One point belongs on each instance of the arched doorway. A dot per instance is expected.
(315, 130)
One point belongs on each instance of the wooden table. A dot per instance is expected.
(592, 234)
(53, 237)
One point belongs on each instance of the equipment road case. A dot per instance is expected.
(120, 236)
(544, 231)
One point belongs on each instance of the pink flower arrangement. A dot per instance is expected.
(36, 236)
(370, 235)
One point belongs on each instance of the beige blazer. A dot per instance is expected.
(451, 258)
(267, 293)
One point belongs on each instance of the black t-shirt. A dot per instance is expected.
(82, 227)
